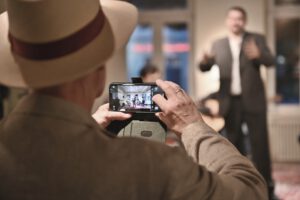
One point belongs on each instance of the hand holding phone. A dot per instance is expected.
(104, 116)
(178, 110)
(133, 97)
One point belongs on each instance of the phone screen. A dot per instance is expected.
(133, 97)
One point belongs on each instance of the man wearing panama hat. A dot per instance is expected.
(50, 146)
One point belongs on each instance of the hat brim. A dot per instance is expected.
(16, 71)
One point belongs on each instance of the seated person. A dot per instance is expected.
(51, 147)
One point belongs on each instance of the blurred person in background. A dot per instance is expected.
(242, 97)
(150, 73)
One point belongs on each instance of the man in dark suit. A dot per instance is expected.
(241, 95)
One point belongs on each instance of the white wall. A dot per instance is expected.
(209, 25)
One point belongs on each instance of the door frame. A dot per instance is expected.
(157, 19)
(273, 12)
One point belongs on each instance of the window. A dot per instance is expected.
(159, 4)
(287, 59)
(287, 2)
(163, 38)
(284, 29)
(139, 50)
(176, 53)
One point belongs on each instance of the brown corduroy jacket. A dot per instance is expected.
(52, 149)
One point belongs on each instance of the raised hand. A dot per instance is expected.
(207, 58)
(251, 49)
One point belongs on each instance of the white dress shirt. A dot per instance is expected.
(235, 47)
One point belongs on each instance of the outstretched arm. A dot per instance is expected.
(207, 61)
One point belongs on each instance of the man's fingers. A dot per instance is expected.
(178, 90)
(105, 106)
(159, 116)
(162, 117)
(166, 87)
(209, 55)
(173, 85)
(171, 89)
(250, 53)
(248, 48)
(118, 116)
(160, 101)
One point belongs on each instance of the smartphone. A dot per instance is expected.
(133, 97)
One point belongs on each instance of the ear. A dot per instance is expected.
(100, 79)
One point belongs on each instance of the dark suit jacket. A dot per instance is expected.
(253, 92)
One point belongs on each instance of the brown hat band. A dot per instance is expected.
(61, 47)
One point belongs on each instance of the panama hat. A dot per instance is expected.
(44, 43)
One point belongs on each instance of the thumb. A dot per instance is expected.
(118, 116)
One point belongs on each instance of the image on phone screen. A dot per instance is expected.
(129, 97)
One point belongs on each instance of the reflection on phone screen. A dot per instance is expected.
(133, 98)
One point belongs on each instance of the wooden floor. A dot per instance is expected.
(287, 180)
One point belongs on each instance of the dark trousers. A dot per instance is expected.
(258, 135)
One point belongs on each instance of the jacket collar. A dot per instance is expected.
(52, 107)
